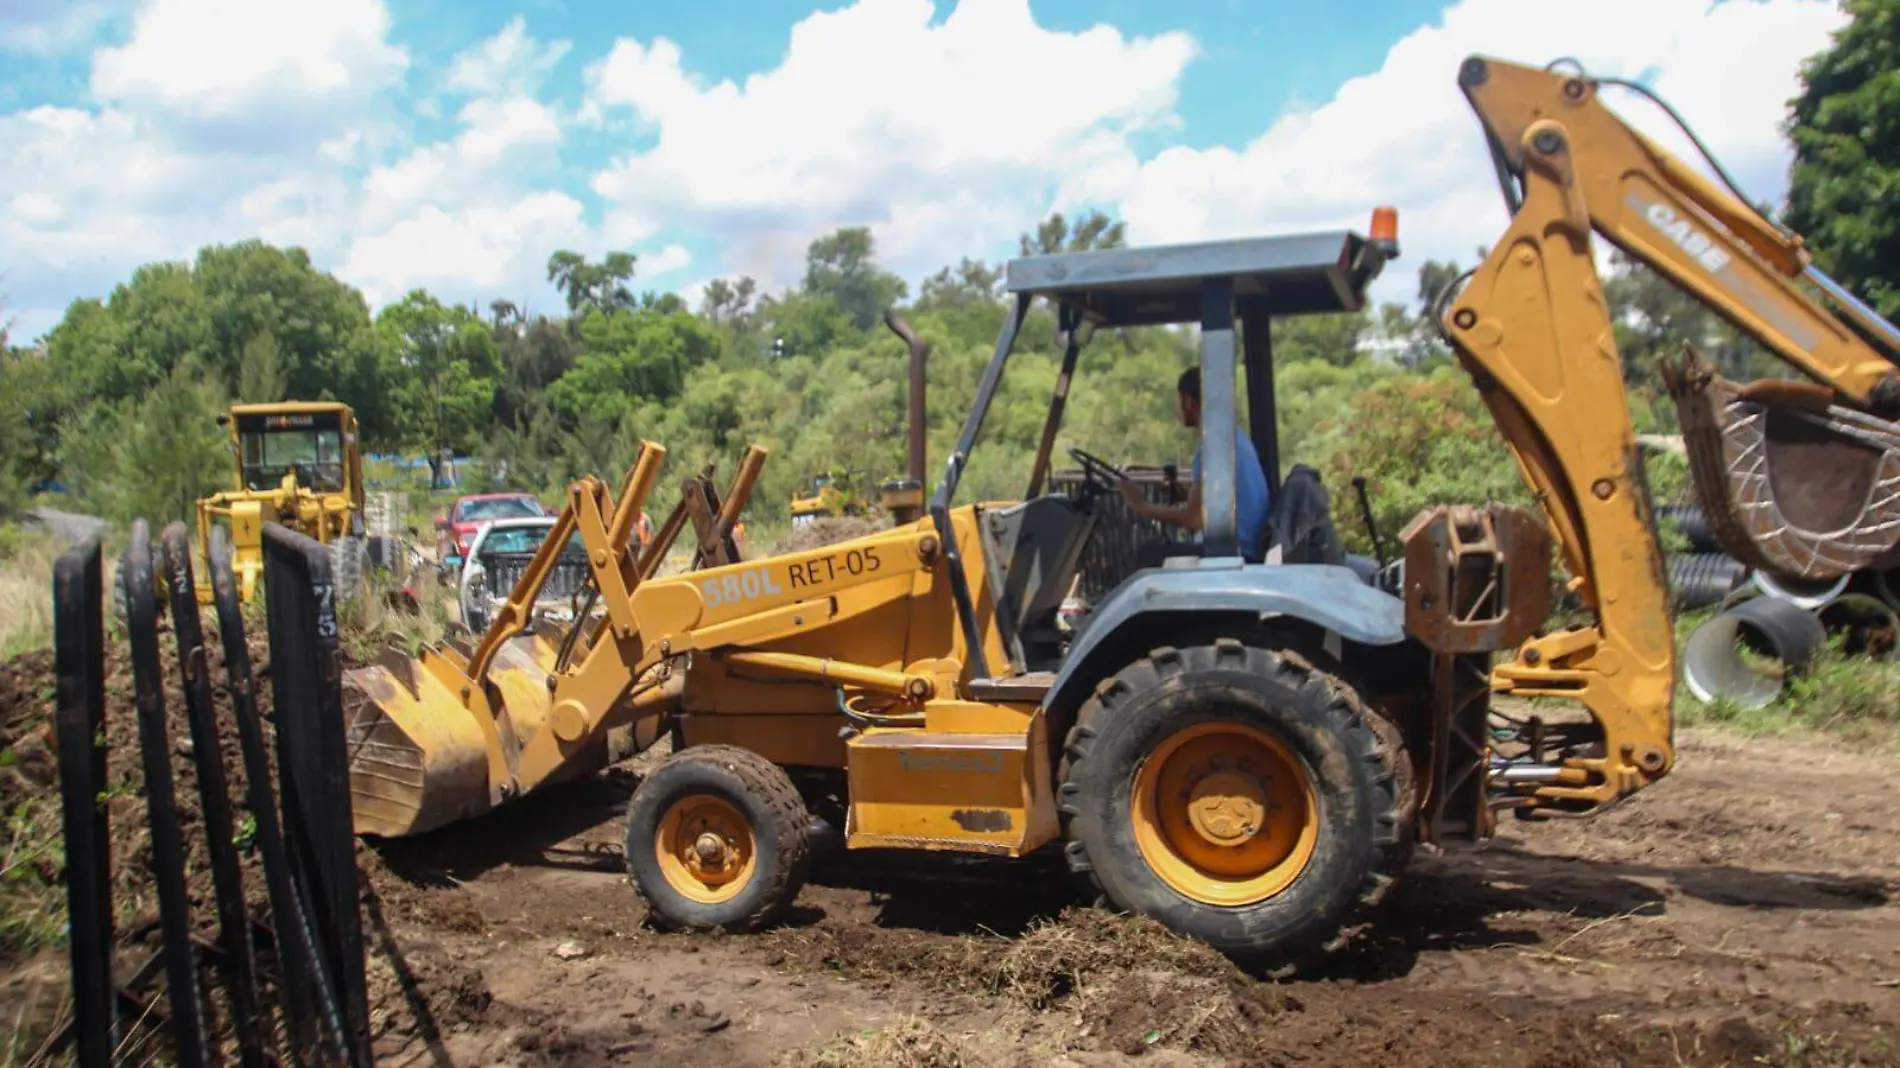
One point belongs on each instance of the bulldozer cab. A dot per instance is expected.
(315, 442)
(298, 463)
(1072, 531)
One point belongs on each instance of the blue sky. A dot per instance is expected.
(453, 144)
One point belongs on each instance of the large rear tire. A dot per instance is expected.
(1240, 796)
(349, 566)
(717, 837)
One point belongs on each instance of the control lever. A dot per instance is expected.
(1372, 528)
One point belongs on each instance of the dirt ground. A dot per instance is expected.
(1740, 912)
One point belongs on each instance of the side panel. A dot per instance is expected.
(984, 793)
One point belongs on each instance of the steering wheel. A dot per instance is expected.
(1095, 470)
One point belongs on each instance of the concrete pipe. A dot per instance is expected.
(1803, 593)
(1716, 660)
(1869, 626)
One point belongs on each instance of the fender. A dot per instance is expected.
(1326, 595)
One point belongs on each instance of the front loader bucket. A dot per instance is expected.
(459, 729)
(423, 755)
(419, 756)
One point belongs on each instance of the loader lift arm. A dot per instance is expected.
(1533, 329)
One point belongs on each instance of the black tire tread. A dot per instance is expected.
(1374, 739)
(349, 564)
(791, 824)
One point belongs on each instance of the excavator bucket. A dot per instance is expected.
(457, 730)
(1792, 481)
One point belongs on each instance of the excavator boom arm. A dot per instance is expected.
(1534, 330)
(1714, 246)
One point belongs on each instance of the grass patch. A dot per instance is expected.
(910, 1043)
(1841, 695)
(26, 589)
(1854, 698)
(32, 887)
(394, 613)
(1120, 982)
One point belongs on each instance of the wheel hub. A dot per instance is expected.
(1224, 813)
(1227, 807)
(712, 850)
(705, 848)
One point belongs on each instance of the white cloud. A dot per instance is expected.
(460, 253)
(666, 261)
(1405, 135)
(942, 137)
(471, 217)
(509, 62)
(252, 62)
(88, 196)
(497, 128)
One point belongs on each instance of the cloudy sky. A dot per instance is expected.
(453, 144)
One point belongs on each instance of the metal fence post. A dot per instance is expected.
(80, 729)
(312, 759)
(240, 970)
(168, 849)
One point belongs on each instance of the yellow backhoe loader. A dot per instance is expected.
(1244, 750)
(300, 464)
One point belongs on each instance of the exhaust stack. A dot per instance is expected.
(904, 498)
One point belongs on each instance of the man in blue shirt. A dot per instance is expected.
(1250, 487)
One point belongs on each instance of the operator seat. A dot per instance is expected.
(1300, 523)
(1032, 552)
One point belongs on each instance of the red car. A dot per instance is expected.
(456, 529)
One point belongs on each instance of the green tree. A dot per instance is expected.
(1091, 230)
(32, 402)
(258, 321)
(729, 303)
(599, 286)
(803, 323)
(151, 456)
(533, 354)
(843, 267)
(1845, 125)
(320, 330)
(628, 357)
(122, 347)
(1330, 338)
(444, 370)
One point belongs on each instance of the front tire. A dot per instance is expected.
(717, 838)
(1239, 796)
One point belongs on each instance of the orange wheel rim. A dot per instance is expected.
(1225, 814)
(706, 849)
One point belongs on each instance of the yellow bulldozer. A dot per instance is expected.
(1246, 742)
(829, 496)
(299, 464)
